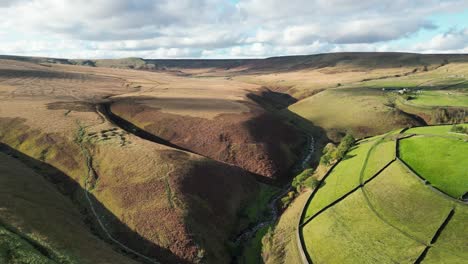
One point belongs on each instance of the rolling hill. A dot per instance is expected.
(393, 198)
(171, 160)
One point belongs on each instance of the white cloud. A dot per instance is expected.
(452, 41)
(192, 28)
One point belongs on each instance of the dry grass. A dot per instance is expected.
(145, 191)
(40, 214)
(362, 114)
(282, 246)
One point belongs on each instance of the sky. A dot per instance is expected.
(229, 28)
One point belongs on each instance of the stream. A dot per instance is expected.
(249, 233)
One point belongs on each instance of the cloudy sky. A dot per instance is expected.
(229, 28)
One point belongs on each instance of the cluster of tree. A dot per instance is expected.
(303, 180)
(306, 179)
(459, 129)
(332, 153)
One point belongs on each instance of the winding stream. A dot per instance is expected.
(249, 233)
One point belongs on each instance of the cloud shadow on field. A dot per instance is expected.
(13, 73)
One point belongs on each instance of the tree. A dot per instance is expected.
(326, 159)
(345, 144)
(328, 153)
(313, 183)
(286, 200)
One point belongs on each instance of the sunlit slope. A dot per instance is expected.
(374, 105)
(373, 207)
(152, 198)
(362, 113)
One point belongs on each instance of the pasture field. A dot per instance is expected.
(441, 161)
(410, 219)
(379, 156)
(343, 178)
(364, 107)
(441, 98)
(350, 232)
(436, 130)
(401, 199)
(360, 112)
(451, 247)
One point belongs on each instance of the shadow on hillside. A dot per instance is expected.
(120, 231)
(348, 156)
(290, 127)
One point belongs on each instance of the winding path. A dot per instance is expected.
(90, 175)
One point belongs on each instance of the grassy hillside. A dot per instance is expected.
(155, 194)
(361, 113)
(379, 198)
(40, 225)
(151, 198)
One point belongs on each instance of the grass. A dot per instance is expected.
(404, 202)
(46, 219)
(258, 207)
(392, 218)
(441, 98)
(350, 232)
(435, 130)
(343, 178)
(282, 246)
(13, 249)
(382, 154)
(252, 253)
(441, 161)
(362, 113)
(360, 106)
(451, 246)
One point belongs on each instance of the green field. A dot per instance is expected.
(342, 179)
(374, 106)
(359, 164)
(394, 217)
(436, 130)
(441, 98)
(451, 246)
(379, 156)
(441, 161)
(351, 233)
(406, 204)
(362, 113)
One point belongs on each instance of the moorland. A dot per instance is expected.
(218, 161)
